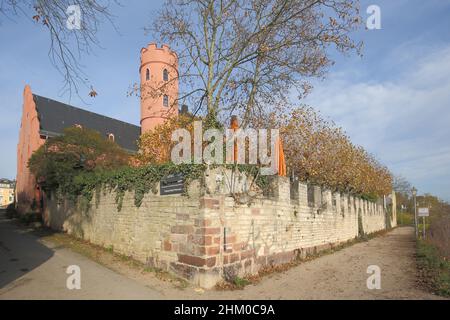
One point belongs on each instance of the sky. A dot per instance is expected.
(394, 100)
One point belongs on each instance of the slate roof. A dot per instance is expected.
(11, 183)
(55, 116)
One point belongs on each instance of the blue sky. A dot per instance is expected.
(394, 101)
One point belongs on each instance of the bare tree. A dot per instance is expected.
(401, 185)
(67, 45)
(246, 56)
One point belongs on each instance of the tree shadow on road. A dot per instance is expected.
(20, 251)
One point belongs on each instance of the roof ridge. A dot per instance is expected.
(88, 111)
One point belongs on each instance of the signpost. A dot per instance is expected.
(423, 212)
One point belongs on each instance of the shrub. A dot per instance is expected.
(434, 267)
(439, 234)
(78, 150)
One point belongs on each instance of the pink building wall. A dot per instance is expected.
(29, 141)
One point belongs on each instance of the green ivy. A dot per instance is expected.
(141, 180)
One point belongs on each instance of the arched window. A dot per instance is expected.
(166, 101)
(165, 75)
(147, 75)
(111, 137)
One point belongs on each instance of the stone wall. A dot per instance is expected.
(223, 228)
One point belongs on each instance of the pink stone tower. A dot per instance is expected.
(159, 85)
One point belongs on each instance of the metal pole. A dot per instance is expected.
(415, 218)
(423, 227)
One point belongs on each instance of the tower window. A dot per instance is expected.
(147, 75)
(165, 75)
(166, 101)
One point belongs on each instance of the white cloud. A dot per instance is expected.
(404, 120)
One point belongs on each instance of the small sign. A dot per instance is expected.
(424, 212)
(172, 184)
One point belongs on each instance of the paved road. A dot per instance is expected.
(30, 269)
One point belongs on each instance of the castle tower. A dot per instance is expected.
(159, 85)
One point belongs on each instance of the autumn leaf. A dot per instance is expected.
(93, 93)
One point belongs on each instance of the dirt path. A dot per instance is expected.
(28, 264)
(342, 275)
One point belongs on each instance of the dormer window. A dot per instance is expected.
(166, 101)
(111, 137)
(147, 75)
(165, 75)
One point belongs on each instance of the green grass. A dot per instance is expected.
(241, 282)
(434, 268)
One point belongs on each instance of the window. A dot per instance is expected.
(165, 75)
(147, 75)
(166, 101)
(111, 137)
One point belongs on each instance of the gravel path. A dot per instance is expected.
(343, 275)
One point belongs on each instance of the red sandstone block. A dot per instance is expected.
(196, 261)
(217, 240)
(230, 239)
(209, 203)
(247, 254)
(202, 222)
(212, 251)
(167, 246)
(211, 262)
(202, 240)
(191, 260)
(238, 246)
(234, 257)
(208, 230)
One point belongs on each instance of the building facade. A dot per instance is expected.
(43, 118)
(7, 188)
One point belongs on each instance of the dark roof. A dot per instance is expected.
(7, 181)
(55, 116)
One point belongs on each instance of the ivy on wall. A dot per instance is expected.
(142, 180)
(139, 180)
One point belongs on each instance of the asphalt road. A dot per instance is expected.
(31, 269)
